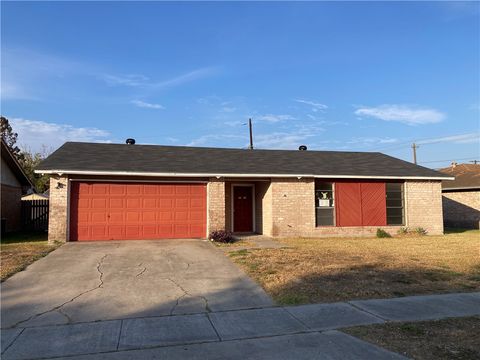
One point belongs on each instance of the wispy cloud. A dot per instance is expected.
(143, 81)
(402, 113)
(26, 74)
(458, 139)
(213, 140)
(272, 118)
(126, 80)
(144, 104)
(34, 134)
(316, 106)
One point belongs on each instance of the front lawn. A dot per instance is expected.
(332, 269)
(17, 251)
(428, 340)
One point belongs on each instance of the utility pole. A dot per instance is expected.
(251, 136)
(414, 148)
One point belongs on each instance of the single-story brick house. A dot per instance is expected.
(116, 191)
(461, 197)
(14, 184)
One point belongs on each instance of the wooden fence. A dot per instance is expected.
(35, 215)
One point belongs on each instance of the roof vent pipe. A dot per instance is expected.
(130, 141)
(302, 148)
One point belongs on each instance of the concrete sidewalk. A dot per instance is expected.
(297, 332)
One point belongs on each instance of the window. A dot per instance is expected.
(324, 204)
(395, 204)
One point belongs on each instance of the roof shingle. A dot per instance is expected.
(96, 157)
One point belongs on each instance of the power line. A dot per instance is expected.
(437, 161)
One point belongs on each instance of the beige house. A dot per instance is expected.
(117, 192)
(14, 184)
(461, 197)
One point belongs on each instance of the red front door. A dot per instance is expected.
(242, 209)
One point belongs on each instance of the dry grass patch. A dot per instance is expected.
(429, 340)
(328, 270)
(20, 250)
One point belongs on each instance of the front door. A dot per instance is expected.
(242, 209)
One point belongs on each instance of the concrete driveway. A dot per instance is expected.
(84, 282)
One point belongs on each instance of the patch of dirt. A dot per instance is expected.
(427, 340)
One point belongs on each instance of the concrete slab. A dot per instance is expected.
(329, 346)
(416, 308)
(8, 336)
(331, 316)
(255, 323)
(127, 279)
(64, 340)
(169, 330)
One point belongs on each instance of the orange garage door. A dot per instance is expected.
(123, 211)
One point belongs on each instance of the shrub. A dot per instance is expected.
(221, 236)
(382, 234)
(420, 231)
(403, 231)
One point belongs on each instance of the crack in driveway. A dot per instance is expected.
(58, 308)
(186, 293)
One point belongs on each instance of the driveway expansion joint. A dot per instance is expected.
(367, 312)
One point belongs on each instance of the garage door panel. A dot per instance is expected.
(165, 230)
(83, 203)
(116, 217)
(196, 203)
(150, 203)
(166, 204)
(133, 216)
(117, 211)
(98, 230)
(196, 216)
(150, 189)
(84, 189)
(149, 231)
(99, 203)
(165, 216)
(181, 215)
(134, 189)
(118, 189)
(181, 203)
(149, 216)
(100, 189)
(116, 203)
(98, 217)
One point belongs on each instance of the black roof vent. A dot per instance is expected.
(302, 148)
(130, 141)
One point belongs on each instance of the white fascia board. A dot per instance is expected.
(128, 173)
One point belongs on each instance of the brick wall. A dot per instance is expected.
(58, 213)
(293, 207)
(11, 207)
(423, 206)
(461, 209)
(216, 205)
(293, 210)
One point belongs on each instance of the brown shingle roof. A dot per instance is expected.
(467, 176)
(74, 157)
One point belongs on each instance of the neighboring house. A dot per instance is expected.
(14, 184)
(461, 197)
(115, 191)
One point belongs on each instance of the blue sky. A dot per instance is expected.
(335, 76)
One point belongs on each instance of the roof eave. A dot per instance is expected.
(157, 174)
